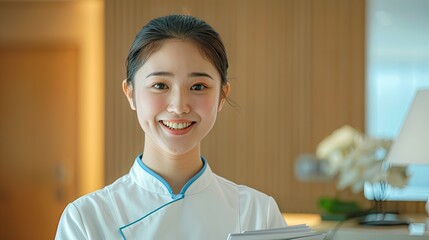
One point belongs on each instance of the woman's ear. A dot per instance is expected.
(128, 91)
(223, 96)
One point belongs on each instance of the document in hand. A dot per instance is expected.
(299, 232)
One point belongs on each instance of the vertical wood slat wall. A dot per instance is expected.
(297, 72)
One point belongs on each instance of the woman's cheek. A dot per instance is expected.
(156, 103)
(207, 107)
(149, 106)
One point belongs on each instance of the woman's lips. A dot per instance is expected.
(177, 127)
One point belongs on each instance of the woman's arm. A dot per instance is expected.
(275, 218)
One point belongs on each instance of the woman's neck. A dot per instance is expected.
(175, 169)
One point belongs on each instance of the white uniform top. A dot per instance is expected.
(141, 205)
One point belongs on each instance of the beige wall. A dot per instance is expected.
(69, 23)
(297, 71)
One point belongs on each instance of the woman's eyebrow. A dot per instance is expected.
(168, 74)
(200, 74)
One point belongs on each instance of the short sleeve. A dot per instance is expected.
(70, 225)
(275, 218)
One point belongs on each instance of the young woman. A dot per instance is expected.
(176, 82)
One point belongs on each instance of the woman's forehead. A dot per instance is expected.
(178, 56)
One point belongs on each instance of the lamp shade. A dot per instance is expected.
(412, 143)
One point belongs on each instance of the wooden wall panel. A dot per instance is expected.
(296, 71)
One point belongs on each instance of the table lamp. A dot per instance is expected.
(410, 147)
(412, 144)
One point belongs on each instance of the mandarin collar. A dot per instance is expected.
(152, 182)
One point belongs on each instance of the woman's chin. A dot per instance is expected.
(178, 149)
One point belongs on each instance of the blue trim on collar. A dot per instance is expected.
(154, 174)
(175, 197)
(162, 180)
(194, 178)
(153, 211)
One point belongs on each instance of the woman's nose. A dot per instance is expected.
(179, 103)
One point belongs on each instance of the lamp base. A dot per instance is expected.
(384, 219)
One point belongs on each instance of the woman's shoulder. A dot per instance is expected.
(254, 205)
(243, 191)
(92, 215)
(102, 197)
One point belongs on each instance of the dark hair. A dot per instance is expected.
(150, 38)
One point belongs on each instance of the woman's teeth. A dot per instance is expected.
(177, 126)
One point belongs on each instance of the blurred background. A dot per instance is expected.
(297, 72)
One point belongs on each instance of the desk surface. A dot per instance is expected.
(351, 230)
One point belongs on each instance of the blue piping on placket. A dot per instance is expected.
(174, 197)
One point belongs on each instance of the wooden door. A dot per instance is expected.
(38, 125)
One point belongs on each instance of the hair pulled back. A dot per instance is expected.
(149, 39)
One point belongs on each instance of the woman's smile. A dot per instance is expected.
(177, 127)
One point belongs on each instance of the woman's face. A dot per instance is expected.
(176, 96)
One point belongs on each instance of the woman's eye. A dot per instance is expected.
(160, 86)
(198, 87)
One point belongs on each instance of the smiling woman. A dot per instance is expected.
(175, 85)
(176, 82)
